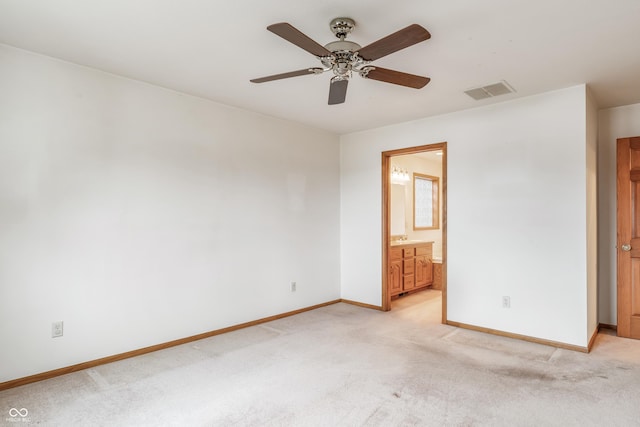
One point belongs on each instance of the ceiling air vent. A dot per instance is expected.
(488, 91)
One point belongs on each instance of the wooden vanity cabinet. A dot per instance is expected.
(410, 267)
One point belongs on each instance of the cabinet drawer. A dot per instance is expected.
(408, 266)
(395, 253)
(408, 282)
(423, 250)
(408, 252)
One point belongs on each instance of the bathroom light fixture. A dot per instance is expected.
(399, 175)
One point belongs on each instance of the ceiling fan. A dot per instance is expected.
(345, 57)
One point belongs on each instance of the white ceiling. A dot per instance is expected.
(212, 48)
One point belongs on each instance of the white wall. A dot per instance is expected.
(516, 213)
(613, 123)
(138, 215)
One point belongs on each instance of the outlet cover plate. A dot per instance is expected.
(57, 329)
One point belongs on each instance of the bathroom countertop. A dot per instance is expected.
(396, 243)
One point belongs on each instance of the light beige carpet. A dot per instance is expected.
(343, 365)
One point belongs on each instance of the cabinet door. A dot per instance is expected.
(437, 276)
(428, 272)
(395, 278)
(424, 271)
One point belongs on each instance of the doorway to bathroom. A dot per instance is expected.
(414, 220)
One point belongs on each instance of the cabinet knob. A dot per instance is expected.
(626, 248)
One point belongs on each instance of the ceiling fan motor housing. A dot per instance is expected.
(343, 45)
(343, 58)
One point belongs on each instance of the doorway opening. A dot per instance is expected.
(414, 222)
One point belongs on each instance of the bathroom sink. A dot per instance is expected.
(406, 242)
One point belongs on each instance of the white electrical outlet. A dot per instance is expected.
(57, 329)
(293, 286)
(506, 302)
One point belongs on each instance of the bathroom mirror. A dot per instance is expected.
(425, 202)
(397, 209)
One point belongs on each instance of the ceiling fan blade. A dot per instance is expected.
(338, 91)
(397, 77)
(287, 75)
(401, 39)
(295, 36)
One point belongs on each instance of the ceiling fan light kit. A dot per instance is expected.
(344, 57)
